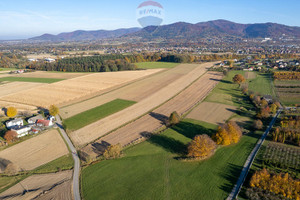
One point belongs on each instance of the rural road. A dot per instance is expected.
(76, 172)
(234, 193)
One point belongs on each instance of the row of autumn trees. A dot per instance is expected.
(119, 62)
(288, 131)
(282, 184)
(286, 75)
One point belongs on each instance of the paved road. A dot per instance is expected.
(76, 172)
(234, 193)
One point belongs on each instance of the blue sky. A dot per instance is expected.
(27, 18)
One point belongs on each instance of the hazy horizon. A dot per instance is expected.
(22, 20)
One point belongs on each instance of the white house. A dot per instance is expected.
(22, 130)
(32, 120)
(50, 60)
(15, 122)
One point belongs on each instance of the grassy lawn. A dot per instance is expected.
(78, 121)
(229, 93)
(26, 79)
(262, 84)
(155, 65)
(63, 163)
(151, 170)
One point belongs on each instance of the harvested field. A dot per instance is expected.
(250, 75)
(56, 75)
(68, 90)
(154, 120)
(36, 151)
(214, 113)
(100, 128)
(19, 107)
(45, 186)
(13, 87)
(136, 91)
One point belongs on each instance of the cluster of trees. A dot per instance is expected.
(203, 146)
(9, 60)
(286, 75)
(103, 63)
(264, 110)
(288, 131)
(282, 184)
(238, 78)
(229, 133)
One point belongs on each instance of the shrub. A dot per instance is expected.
(113, 151)
(258, 124)
(201, 146)
(174, 118)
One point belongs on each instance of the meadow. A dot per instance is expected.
(87, 117)
(30, 79)
(152, 170)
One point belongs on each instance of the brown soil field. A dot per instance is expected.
(36, 151)
(13, 87)
(181, 103)
(68, 90)
(214, 113)
(42, 187)
(95, 130)
(44, 74)
(250, 75)
(136, 91)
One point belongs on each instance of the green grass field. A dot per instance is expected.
(151, 170)
(26, 79)
(229, 93)
(63, 163)
(155, 65)
(78, 121)
(262, 84)
(7, 69)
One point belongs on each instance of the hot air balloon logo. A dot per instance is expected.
(150, 13)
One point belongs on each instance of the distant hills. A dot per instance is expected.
(183, 30)
(85, 35)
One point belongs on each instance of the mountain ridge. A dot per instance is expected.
(182, 30)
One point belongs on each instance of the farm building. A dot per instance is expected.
(21, 130)
(33, 120)
(268, 98)
(42, 122)
(13, 123)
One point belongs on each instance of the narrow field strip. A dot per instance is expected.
(30, 79)
(85, 118)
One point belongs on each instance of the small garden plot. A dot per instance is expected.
(250, 75)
